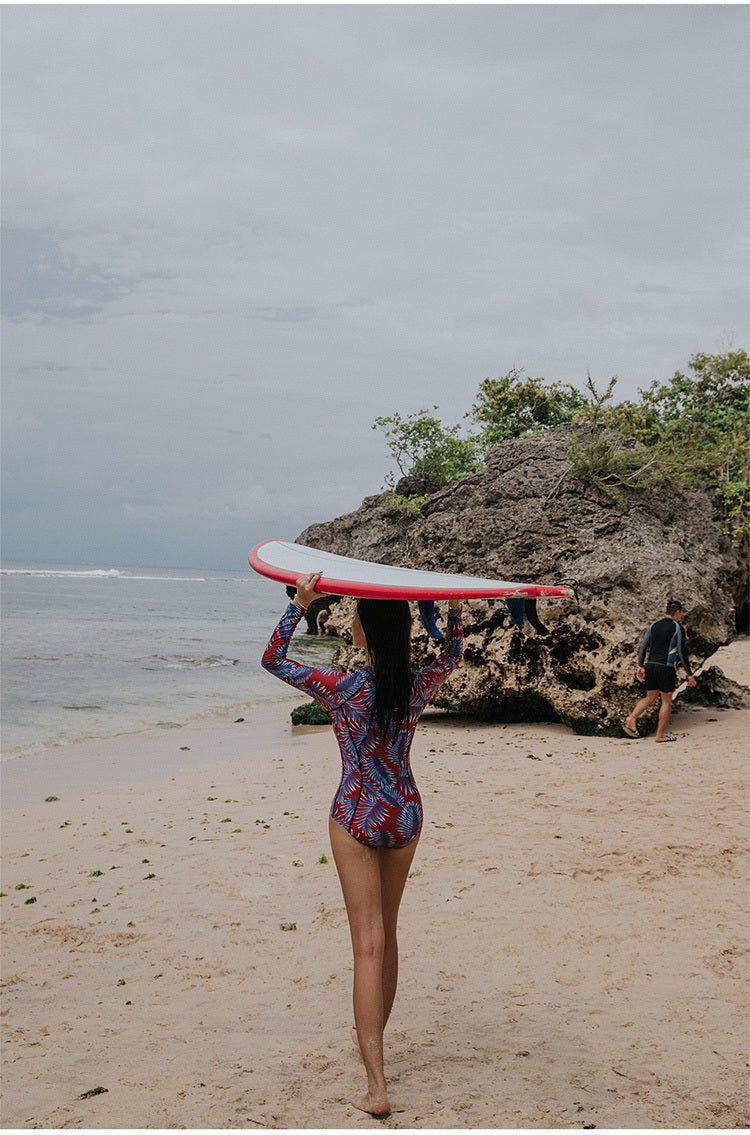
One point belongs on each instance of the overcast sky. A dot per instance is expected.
(234, 235)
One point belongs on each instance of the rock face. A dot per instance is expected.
(715, 689)
(523, 519)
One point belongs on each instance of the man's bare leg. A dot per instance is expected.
(665, 712)
(641, 707)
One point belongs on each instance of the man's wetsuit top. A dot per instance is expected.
(377, 800)
(665, 642)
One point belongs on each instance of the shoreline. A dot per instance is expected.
(573, 936)
(142, 755)
(145, 754)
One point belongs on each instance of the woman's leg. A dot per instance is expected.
(372, 881)
(395, 864)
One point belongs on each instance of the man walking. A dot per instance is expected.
(665, 642)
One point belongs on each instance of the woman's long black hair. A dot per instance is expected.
(387, 627)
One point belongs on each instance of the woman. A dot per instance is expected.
(376, 814)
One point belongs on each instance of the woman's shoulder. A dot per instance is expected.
(360, 677)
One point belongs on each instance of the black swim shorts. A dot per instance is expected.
(663, 678)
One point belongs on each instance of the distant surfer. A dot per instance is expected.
(376, 814)
(661, 646)
(320, 621)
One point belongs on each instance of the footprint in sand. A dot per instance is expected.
(638, 1075)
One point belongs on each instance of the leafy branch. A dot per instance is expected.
(603, 461)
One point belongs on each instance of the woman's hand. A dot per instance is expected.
(306, 590)
(454, 603)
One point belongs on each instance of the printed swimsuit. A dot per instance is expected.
(377, 800)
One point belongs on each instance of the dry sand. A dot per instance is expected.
(573, 936)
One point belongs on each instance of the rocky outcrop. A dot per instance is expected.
(714, 688)
(523, 518)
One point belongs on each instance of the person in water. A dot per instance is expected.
(664, 641)
(321, 621)
(376, 814)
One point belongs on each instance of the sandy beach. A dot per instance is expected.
(573, 937)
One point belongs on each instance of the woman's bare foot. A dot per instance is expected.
(379, 1107)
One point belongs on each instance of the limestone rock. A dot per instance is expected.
(715, 689)
(414, 485)
(522, 518)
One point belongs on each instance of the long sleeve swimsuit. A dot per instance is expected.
(665, 642)
(377, 800)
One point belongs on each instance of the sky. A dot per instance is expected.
(235, 235)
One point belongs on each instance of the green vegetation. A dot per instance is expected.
(602, 460)
(694, 427)
(423, 447)
(310, 714)
(411, 504)
(514, 405)
(699, 427)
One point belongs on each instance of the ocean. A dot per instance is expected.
(90, 653)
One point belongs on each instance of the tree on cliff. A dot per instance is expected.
(515, 405)
(696, 428)
(423, 448)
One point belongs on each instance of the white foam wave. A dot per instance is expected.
(187, 662)
(99, 573)
(55, 572)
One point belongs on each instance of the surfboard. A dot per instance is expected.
(285, 562)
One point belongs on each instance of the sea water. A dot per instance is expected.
(94, 652)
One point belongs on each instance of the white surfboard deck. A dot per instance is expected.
(286, 562)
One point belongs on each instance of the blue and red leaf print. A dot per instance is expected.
(377, 800)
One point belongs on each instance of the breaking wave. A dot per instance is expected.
(187, 662)
(97, 573)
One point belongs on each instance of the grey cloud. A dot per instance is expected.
(283, 314)
(235, 234)
(40, 278)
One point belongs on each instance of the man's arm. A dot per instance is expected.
(677, 646)
(645, 643)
